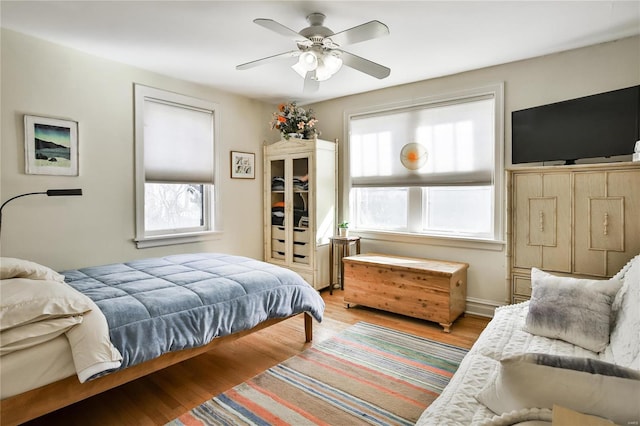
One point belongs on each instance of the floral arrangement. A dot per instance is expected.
(292, 120)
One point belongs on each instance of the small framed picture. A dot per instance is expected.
(243, 165)
(50, 146)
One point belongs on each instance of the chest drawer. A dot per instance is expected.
(522, 286)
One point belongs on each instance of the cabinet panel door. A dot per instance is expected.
(607, 218)
(626, 184)
(275, 214)
(587, 186)
(557, 257)
(301, 199)
(525, 187)
(607, 208)
(542, 221)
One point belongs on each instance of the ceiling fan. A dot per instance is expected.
(319, 50)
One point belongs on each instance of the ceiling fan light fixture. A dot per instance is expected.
(308, 61)
(328, 65)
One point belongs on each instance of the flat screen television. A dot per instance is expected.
(602, 125)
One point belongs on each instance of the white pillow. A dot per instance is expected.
(19, 268)
(24, 301)
(29, 335)
(575, 310)
(584, 385)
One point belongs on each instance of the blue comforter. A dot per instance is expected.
(176, 302)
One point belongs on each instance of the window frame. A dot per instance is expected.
(211, 192)
(497, 240)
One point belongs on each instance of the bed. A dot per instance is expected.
(68, 336)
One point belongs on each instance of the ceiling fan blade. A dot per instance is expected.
(291, 54)
(311, 85)
(367, 31)
(277, 27)
(364, 65)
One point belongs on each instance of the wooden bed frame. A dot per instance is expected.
(37, 402)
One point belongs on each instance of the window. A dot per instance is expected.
(175, 167)
(455, 192)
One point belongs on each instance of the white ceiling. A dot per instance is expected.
(203, 41)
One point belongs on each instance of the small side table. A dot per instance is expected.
(344, 247)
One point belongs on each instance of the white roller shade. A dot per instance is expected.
(458, 137)
(178, 143)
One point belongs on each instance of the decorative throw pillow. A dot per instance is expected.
(571, 309)
(19, 268)
(24, 301)
(587, 386)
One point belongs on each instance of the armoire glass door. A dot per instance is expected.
(300, 209)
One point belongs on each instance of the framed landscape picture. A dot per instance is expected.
(243, 165)
(50, 146)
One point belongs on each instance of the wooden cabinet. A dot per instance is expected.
(433, 290)
(580, 220)
(300, 206)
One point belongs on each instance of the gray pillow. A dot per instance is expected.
(575, 310)
(588, 365)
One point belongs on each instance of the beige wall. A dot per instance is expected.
(527, 83)
(43, 79)
(39, 78)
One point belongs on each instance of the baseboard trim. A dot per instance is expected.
(481, 307)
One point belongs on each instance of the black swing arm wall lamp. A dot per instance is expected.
(49, 192)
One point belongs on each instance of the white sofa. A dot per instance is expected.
(482, 375)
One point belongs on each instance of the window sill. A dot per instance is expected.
(167, 240)
(434, 240)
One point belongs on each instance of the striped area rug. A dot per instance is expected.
(366, 374)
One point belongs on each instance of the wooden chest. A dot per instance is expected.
(433, 290)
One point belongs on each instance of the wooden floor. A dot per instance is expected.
(162, 396)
